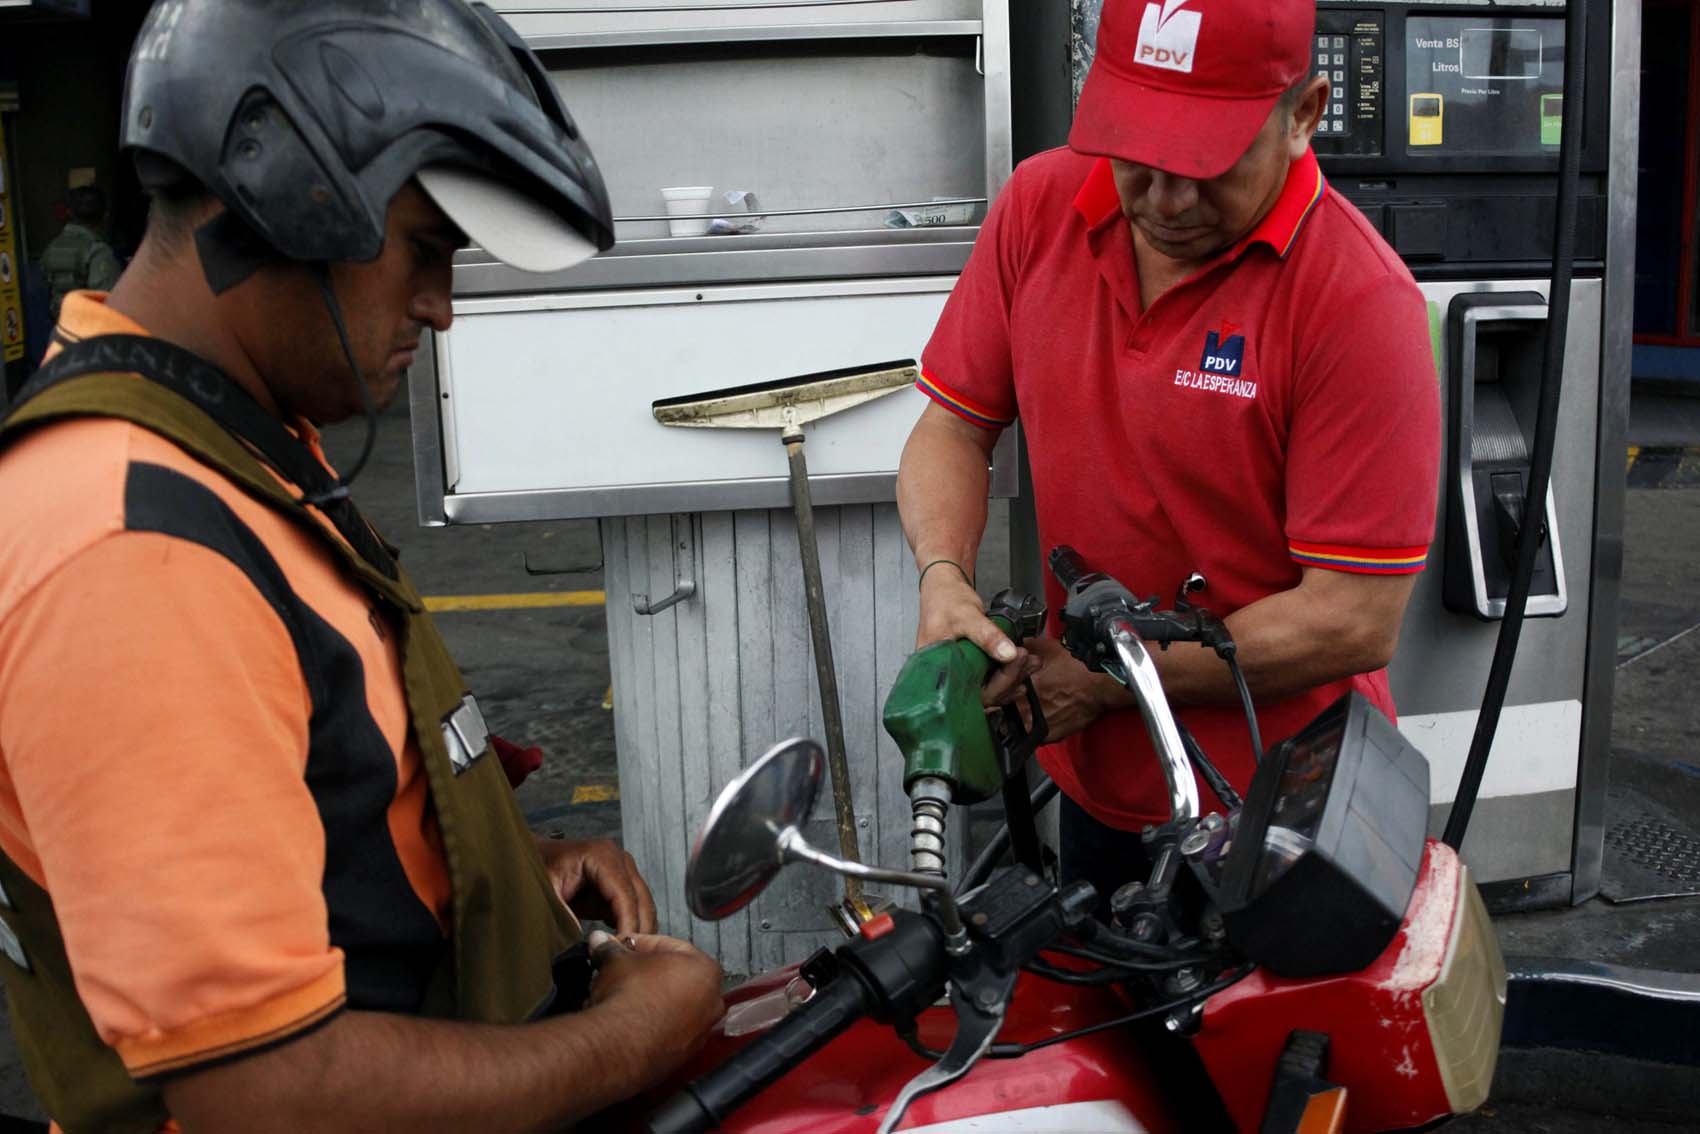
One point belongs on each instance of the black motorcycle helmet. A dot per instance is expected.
(305, 117)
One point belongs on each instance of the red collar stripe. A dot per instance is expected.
(1360, 560)
(1308, 174)
(959, 405)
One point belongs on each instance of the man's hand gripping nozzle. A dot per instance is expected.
(953, 752)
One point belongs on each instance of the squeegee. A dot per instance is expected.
(788, 405)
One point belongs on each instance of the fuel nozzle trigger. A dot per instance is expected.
(1015, 739)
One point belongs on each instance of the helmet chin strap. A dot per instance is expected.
(230, 253)
(322, 273)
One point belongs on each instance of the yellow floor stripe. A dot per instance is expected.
(595, 793)
(443, 604)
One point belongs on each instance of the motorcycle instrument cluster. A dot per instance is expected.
(1329, 845)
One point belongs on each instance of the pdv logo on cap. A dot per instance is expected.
(1185, 85)
(1168, 36)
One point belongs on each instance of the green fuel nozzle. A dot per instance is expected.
(933, 712)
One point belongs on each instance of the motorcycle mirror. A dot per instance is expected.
(743, 844)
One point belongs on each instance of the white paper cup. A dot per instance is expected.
(688, 202)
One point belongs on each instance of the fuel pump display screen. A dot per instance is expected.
(1483, 86)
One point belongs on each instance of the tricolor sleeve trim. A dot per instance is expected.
(962, 407)
(1360, 560)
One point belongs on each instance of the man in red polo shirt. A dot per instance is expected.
(1220, 367)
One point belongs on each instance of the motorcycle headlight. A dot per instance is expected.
(1465, 1006)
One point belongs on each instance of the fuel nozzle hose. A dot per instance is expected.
(1546, 432)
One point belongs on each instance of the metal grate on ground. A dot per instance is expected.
(1649, 853)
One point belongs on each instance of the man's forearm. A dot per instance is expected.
(1290, 642)
(941, 490)
(368, 1071)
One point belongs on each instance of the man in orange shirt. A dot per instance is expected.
(258, 868)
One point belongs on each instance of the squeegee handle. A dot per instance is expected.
(826, 672)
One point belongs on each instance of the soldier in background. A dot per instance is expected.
(79, 258)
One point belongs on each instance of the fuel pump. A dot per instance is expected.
(1467, 139)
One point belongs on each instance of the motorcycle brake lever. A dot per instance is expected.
(980, 1001)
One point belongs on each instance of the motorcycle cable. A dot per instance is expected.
(1110, 946)
(1113, 969)
(1089, 978)
(1017, 1050)
(993, 852)
(1245, 700)
(1207, 769)
(1105, 974)
(987, 860)
(1213, 632)
(1161, 957)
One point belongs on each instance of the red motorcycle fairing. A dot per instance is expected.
(846, 1086)
(1380, 1050)
(1383, 1045)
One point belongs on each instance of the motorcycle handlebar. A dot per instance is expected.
(707, 1101)
(1068, 567)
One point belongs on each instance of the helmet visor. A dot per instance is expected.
(512, 227)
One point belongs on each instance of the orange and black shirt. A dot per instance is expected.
(205, 755)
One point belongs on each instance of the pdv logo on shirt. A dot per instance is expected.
(1223, 351)
(1168, 36)
(1221, 370)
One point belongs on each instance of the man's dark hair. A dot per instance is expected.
(86, 204)
(174, 212)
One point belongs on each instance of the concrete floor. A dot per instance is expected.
(541, 675)
(1655, 723)
(1533, 1118)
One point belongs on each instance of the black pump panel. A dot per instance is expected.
(1497, 340)
(1442, 125)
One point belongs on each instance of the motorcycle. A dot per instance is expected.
(1326, 966)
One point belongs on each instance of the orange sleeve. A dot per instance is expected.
(153, 721)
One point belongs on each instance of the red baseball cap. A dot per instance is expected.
(1185, 85)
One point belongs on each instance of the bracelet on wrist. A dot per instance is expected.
(966, 577)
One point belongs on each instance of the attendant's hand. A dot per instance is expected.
(598, 880)
(951, 609)
(1070, 695)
